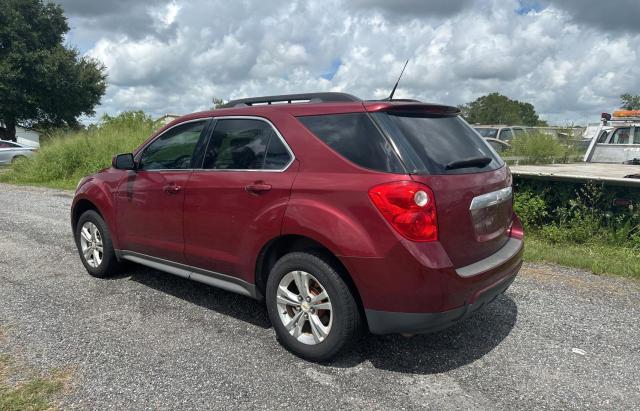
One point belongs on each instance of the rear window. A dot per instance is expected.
(437, 144)
(355, 137)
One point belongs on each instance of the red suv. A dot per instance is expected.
(340, 214)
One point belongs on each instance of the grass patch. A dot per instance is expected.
(33, 394)
(597, 258)
(66, 157)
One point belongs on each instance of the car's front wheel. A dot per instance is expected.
(94, 245)
(311, 307)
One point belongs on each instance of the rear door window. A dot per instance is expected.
(245, 144)
(355, 137)
(432, 144)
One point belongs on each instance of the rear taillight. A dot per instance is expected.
(409, 207)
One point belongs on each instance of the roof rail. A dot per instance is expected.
(293, 98)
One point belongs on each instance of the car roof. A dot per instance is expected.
(327, 103)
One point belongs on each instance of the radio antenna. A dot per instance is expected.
(396, 85)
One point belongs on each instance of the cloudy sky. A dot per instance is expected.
(570, 58)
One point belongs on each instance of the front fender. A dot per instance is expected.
(98, 193)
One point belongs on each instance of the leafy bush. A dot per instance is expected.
(578, 214)
(539, 148)
(531, 208)
(66, 157)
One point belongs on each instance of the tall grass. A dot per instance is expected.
(66, 157)
(541, 148)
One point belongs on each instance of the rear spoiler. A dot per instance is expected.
(411, 108)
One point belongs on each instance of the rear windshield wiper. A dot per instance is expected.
(469, 162)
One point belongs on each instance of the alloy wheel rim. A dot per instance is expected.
(91, 244)
(304, 307)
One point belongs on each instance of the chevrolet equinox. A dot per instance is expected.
(342, 215)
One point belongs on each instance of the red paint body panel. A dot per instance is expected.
(226, 226)
(213, 223)
(150, 219)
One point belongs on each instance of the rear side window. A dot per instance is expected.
(355, 137)
(245, 144)
(438, 144)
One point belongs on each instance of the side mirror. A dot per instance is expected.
(124, 162)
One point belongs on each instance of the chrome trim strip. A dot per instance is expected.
(511, 248)
(490, 199)
(223, 281)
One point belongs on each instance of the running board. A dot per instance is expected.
(212, 278)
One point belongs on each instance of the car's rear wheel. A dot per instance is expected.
(311, 307)
(94, 245)
(16, 159)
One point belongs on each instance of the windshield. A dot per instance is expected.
(487, 132)
(438, 144)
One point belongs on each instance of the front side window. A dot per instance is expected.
(355, 137)
(621, 136)
(636, 135)
(173, 149)
(518, 131)
(245, 144)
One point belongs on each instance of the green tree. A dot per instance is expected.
(495, 108)
(218, 102)
(41, 81)
(630, 102)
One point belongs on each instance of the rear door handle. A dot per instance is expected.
(172, 189)
(257, 188)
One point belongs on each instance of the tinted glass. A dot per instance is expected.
(5, 145)
(277, 155)
(429, 144)
(518, 131)
(173, 149)
(487, 132)
(355, 137)
(636, 135)
(245, 144)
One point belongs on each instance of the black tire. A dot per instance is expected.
(346, 322)
(109, 265)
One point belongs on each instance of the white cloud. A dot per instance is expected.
(194, 50)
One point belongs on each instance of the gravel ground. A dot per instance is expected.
(558, 338)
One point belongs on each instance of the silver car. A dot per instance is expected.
(10, 151)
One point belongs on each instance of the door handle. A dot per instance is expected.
(172, 189)
(257, 188)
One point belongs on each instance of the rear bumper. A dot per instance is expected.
(388, 322)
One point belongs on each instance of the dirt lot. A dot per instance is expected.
(559, 338)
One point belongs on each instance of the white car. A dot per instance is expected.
(10, 152)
